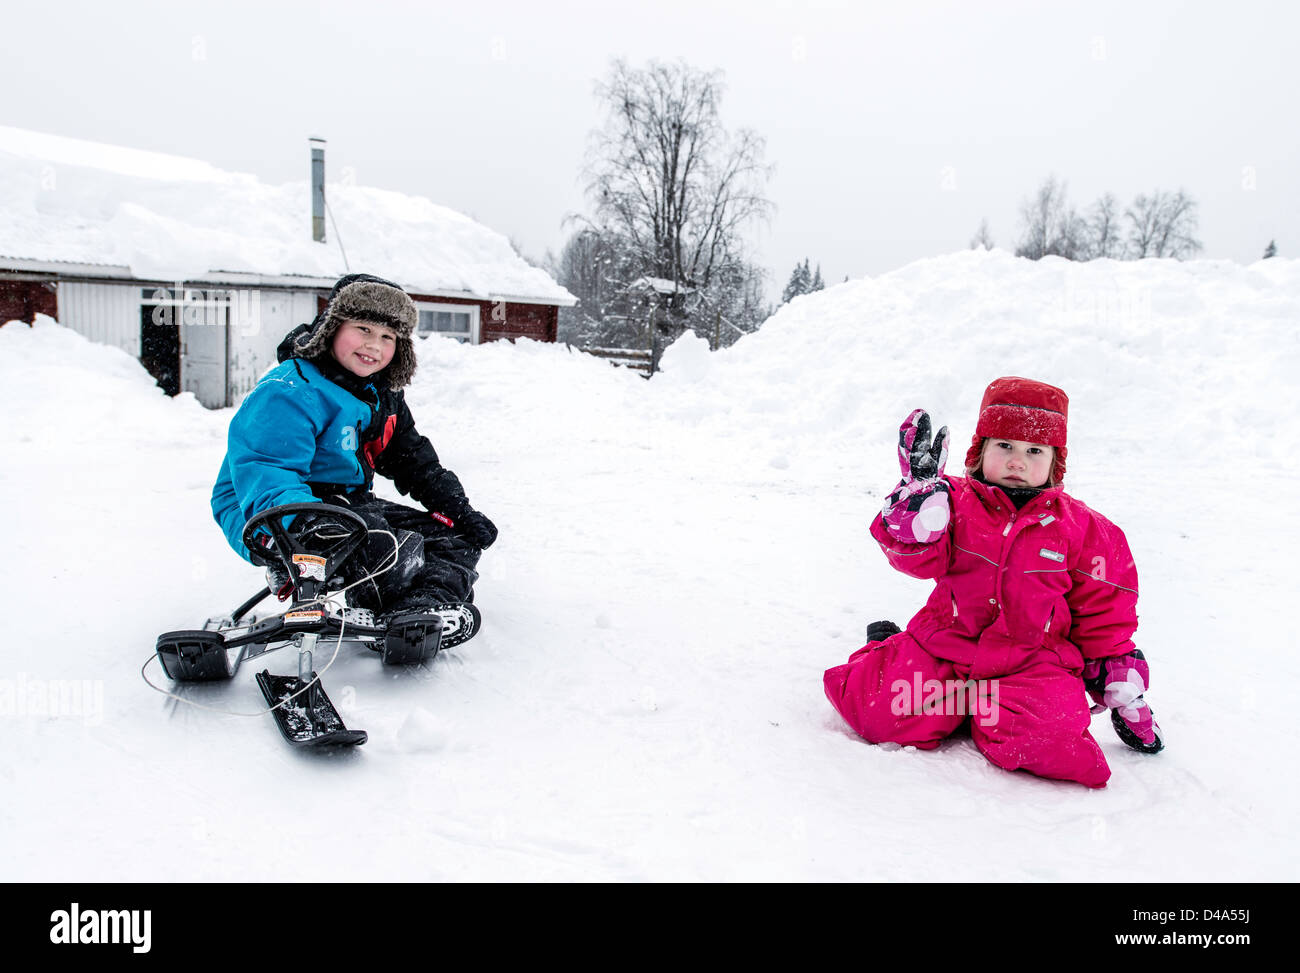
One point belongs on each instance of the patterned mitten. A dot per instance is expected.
(918, 510)
(1117, 684)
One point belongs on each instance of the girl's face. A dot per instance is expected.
(1011, 463)
(363, 347)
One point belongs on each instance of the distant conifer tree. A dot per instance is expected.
(800, 283)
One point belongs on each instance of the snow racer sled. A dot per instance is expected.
(311, 553)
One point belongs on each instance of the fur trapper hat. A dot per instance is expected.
(1026, 411)
(362, 297)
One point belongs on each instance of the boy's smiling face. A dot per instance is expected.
(363, 347)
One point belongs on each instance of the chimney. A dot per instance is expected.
(317, 189)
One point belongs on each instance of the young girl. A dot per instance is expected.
(319, 426)
(1035, 599)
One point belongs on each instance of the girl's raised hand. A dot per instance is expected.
(918, 510)
(917, 456)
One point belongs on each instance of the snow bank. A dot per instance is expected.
(1158, 357)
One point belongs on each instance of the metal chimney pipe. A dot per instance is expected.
(317, 189)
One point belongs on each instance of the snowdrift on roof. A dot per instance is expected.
(172, 218)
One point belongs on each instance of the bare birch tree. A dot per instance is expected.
(1051, 226)
(1163, 225)
(672, 184)
(1104, 236)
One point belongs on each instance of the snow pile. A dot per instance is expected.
(1159, 357)
(679, 560)
(171, 218)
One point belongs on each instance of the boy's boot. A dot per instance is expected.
(458, 621)
(879, 631)
(412, 637)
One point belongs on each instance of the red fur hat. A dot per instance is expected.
(1026, 411)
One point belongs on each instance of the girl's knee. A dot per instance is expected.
(1058, 749)
(875, 692)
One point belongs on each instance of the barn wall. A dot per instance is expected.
(110, 313)
(305, 307)
(106, 313)
(22, 300)
(535, 321)
(505, 319)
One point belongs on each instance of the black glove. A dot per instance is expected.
(477, 528)
(277, 578)
(316, 531)
(277, 581)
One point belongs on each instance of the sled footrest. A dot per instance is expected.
(412, 639)
(194, 655)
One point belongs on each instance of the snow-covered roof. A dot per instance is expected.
(165, 217)
(660, 285)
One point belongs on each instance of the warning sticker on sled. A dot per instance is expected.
(310, 566)
(309, 616)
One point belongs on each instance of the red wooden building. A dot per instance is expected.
(200, 272)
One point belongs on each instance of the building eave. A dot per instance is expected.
(17, 267)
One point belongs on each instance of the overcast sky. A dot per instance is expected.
(894, 127)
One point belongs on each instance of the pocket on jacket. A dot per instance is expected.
(1065, 651)
(942, 609)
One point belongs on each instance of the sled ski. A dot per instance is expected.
(308, 719)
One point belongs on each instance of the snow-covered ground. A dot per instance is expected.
(679, 561)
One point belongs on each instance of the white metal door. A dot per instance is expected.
(259, 323)
(204, 318)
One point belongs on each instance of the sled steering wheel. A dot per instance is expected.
(333, 533)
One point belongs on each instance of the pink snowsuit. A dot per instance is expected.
(1021, 599)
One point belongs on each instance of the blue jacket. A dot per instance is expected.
(311, 430)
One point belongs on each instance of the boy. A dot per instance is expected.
(320, 425)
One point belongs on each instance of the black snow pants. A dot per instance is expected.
(435, 564)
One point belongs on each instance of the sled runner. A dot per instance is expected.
(312, 543)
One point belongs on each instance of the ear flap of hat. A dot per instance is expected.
(973, 454)
(401, 369)
(1058, 464)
